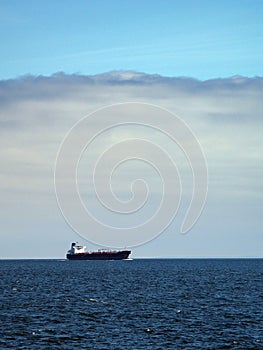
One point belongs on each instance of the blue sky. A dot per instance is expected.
(201, 39)
(100, 46)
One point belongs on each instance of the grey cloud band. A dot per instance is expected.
(79, 139)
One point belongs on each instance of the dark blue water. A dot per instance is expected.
(139, 304)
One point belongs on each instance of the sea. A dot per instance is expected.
(132, 304)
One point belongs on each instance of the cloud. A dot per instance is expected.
(37, 111)
(226, 114)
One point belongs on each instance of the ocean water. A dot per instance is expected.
(139, 304)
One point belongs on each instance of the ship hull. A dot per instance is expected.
(120, 255)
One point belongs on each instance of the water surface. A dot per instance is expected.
(139, 304)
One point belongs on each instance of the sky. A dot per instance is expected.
(201, 61)
(200, 39)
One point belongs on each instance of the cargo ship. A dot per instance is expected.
(78, 252)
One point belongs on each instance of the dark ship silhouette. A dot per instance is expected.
(77, 252)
